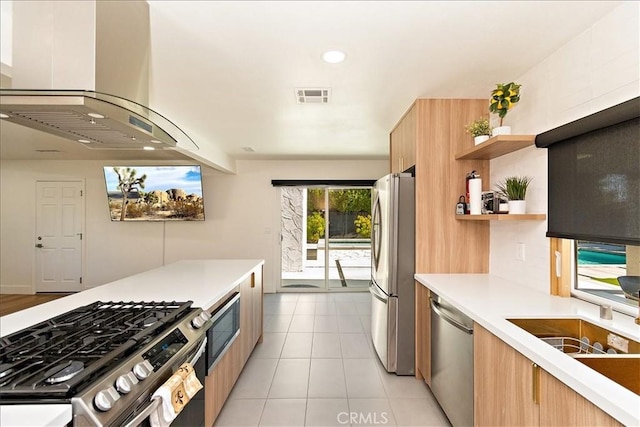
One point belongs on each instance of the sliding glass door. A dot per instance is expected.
(325, 238)
(348, 243)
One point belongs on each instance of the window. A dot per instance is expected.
(594, 200)
(599, 267)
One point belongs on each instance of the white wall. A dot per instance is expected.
(6, 32)
(242, 219)
(597, 69)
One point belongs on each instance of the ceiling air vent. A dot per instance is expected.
(313, 95)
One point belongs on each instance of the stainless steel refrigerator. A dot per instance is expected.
(392, 270)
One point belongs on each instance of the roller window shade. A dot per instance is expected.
(594, 182)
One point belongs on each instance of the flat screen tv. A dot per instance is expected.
(154, 193)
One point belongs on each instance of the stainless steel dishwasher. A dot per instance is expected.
(452, 361)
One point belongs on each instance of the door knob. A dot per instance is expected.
(39, 245)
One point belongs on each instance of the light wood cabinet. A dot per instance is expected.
(403, 142)
(444, 245)
(510, 390)
(561, 406)
(256, 306)
(429, 135)
(503, 383)
(423, 334)
(250, 314)
(220, 382)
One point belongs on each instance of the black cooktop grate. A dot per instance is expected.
(60, 355)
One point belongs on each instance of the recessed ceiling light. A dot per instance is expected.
(334, 56)
(155, 141)
(96, 115)
(4, 116)
(84, 141)
(148, 148)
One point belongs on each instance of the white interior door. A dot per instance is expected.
(59, 236)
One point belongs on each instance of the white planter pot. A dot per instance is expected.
(517, 207)
(480, 139)
(501, 130)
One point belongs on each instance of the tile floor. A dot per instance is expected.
(317, 367)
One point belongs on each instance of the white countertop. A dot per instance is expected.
(490, 300)
(35, 415)
(202, 281)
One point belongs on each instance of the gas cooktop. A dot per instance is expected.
(59, 357)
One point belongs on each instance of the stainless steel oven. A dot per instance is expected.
(106, 359)
(224, 331)
(192, 415)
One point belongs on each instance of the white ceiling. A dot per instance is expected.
(225, 71)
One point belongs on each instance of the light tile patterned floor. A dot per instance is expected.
(317, 367)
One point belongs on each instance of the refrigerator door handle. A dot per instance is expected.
(375, 232)
(377, 293)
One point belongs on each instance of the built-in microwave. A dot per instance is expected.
(225, 329)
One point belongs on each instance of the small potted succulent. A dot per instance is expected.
(480, 130)
(514, 188)
(503, 98)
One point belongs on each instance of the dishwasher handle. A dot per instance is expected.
(436, 308)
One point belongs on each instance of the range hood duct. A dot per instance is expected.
(83, 73)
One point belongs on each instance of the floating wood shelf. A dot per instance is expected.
(497, 146)
(503, 217)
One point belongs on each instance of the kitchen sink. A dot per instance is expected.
(612, 355)
(576, 336)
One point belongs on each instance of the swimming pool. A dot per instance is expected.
(599, 256)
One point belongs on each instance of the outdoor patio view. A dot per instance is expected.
(603, 267)
(326, 238)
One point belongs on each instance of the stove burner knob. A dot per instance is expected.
(105, 399)
(205, 315)
(125, 382)
(197, 322)
(142, 370)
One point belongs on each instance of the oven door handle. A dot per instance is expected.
(199, 352)
(155, 402)
(137, 420)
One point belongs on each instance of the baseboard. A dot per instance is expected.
(15, 289)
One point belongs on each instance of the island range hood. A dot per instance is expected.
(81, 71)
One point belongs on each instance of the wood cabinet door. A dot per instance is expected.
(246, 319)
(423, 334)
(561, 406)
(220, 382)
(403, 141)
(503, 384)
(256, 303)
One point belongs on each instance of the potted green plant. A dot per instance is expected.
(503, 98)
(514, 188)
(480, 130)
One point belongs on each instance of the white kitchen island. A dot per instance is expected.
(204, 282)
(490, 301)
